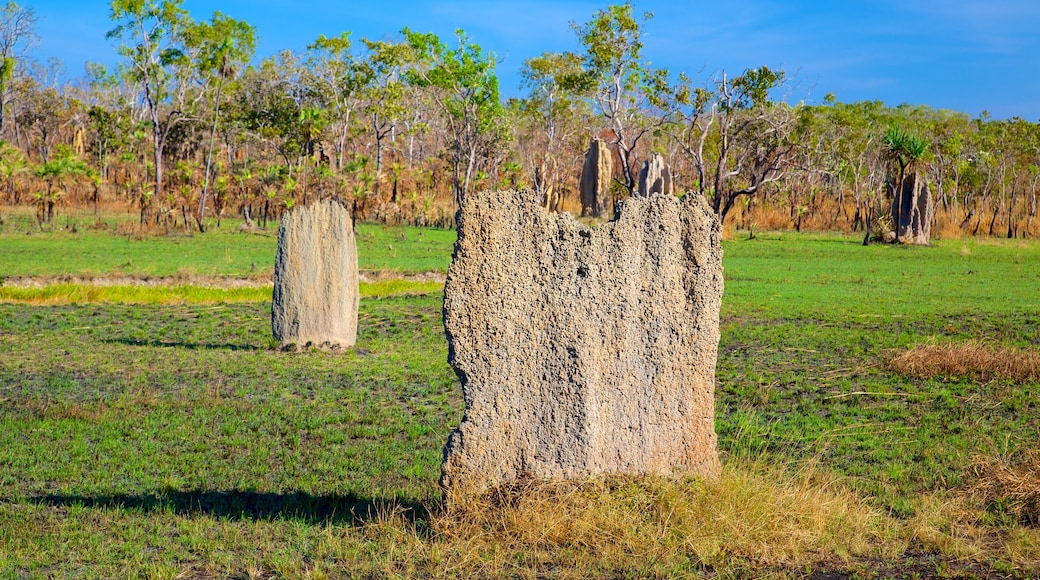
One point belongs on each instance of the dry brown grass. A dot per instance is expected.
(756, 520)
(649, 526)
(1008, 485)
(973, 359)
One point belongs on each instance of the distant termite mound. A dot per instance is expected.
(655, 177)
(583, 351)
(594, 184)
(315, 299)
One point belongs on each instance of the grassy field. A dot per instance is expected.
(156, 432)
(224, 252)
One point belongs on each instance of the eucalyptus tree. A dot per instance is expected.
(626, 91)
(385, 92)
(43, 116)
(17, 35)
(165, 55)
(462, 84)
(949, 134)
(225, 45)
(270, 104)
(156, 61)
(337, 76)
(105, 118)
(847, 152)
(555, 81)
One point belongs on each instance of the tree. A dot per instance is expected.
(738, 139)
(168, 56)
(385, 91)
(907, 151)
(270, 102)
(37, 118)
(17, 35)
(226, 44)
(624, 88)
(152, 32)
(555, 81)
(337, 77)
(462, 83)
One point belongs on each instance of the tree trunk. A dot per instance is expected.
(912, 210)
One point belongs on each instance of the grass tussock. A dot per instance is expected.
(974, 360)
(1008, 486)
(658, 526)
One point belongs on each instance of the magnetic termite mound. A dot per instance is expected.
(583, 351)
(315, 300)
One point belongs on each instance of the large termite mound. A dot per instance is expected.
(582, 350)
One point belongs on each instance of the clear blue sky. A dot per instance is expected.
(963, 55)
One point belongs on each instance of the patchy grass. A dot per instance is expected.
(224, 251)
(164, 435)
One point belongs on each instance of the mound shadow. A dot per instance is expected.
(350, 509)
(182, 344)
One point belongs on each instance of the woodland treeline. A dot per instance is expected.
(191, 128)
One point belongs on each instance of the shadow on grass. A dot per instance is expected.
(250, 505)
(181, 344)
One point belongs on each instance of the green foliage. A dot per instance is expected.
(613, 47)
(625, 89)
(7, 65)
(223, 43)
(466, 90)
(752, 88)
(904, 147)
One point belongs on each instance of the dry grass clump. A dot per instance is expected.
(1009, 486)
(972, 359)
(651, 526)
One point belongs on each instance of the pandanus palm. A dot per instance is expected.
(907, 151)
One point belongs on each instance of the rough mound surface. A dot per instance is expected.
(583, 351)
(316, 278)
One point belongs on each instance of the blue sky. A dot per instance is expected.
(968, 56)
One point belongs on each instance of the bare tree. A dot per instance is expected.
(738, 140)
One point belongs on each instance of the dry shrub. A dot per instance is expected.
(766, 216)
(947, 226)
(1008, 486)
(757, 519)
(972, 359)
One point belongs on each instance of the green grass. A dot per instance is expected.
(153, 432)
(836, 278)
(224, 251)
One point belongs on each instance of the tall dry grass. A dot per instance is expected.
(757, 516)
(756, 520)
